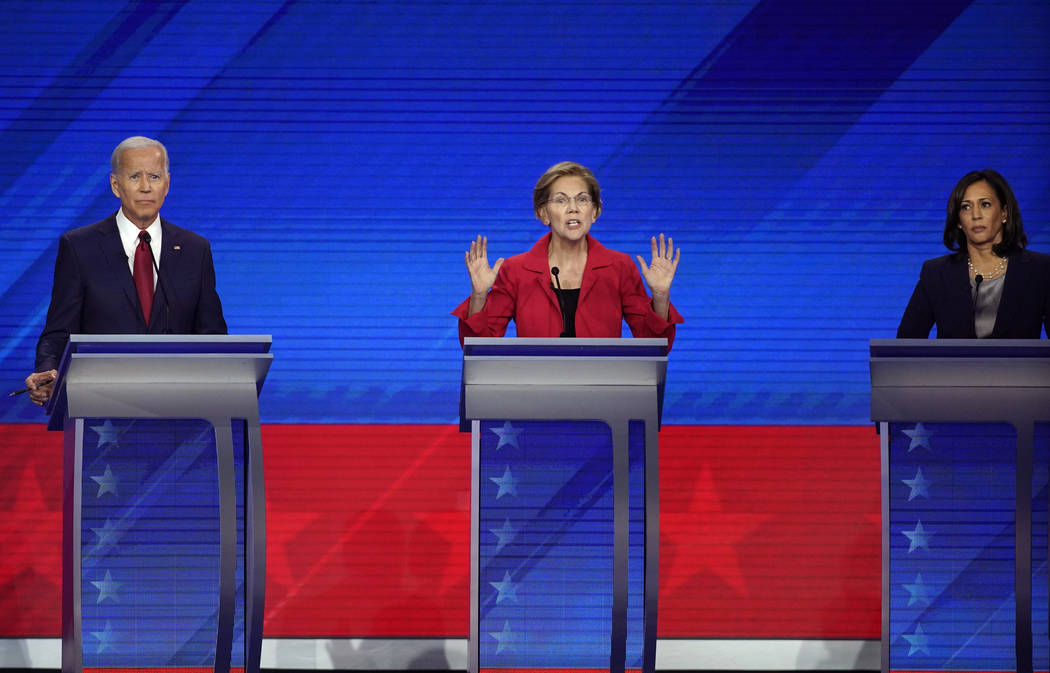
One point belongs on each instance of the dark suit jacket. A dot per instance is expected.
(943, 297)
(612, 292)
(94, 293)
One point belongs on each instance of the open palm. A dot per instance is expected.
(659, 272)
(482, 276)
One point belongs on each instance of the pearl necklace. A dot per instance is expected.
(999, 269)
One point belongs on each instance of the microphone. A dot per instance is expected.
(160, 284)
(561, 305)
(977, 280)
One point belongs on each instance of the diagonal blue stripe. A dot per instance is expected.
(90, 73)
(763, 85)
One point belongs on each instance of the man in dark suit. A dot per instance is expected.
(106, 273)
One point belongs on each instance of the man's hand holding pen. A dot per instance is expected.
(39, 386)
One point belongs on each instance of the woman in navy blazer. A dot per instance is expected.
(990, 286)
(569, 284)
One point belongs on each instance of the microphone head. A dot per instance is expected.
(978, 278)
(145, 237)
(554, 270)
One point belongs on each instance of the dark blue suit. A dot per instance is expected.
(94, 293)
(943, 298)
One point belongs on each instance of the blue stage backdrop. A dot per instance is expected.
(341, 155)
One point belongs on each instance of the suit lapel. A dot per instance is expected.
(171, 245)
(956, 283)
(117, 263)
(536, 262)
(1013, 286)
(597, 258)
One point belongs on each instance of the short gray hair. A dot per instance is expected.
(134, 143)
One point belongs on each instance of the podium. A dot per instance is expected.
(163, 556)
(964, 427)
(564, 501)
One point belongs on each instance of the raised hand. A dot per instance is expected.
(659, 273)
(482, 276)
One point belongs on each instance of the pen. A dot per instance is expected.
(26, 390)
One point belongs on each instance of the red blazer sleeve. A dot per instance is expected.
(619, 294)
(500, 307)
(612, 292)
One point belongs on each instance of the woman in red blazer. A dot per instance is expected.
(569, 284)
(991, 286)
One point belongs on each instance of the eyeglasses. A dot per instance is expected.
(562, 201)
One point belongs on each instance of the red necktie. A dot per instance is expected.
(144, 275)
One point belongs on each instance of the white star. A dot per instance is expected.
(919, 486)
(507, 483)
(505, 638)
(107, 588)
(505, 534)
(105, 638)
(920, 436)
(107, 433)
(918, 641)
(107, 482)
(919, 536)
(919, 592)
(508, 434)
(107, 534)
(506, 588)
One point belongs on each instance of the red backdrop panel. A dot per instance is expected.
(368, 530)
(769, 532)
(30, 531)
(765, 531)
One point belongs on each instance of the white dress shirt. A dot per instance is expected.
(129, 238)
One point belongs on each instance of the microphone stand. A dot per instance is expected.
(561, 304)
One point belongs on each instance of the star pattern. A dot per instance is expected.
(506, 588)
(107, 588)
(117, 527)
(920, 486)
(105, 638)
(107, 482)
(286, 567)
(920, 437)
(721, 531)
(107, 534)
(508, 484)
(107, 433)
(504, 534)
(453, 527)
(919, 537)
(920, 593)
(934, 612)
(506, 638)
(918, 641)
(508, 435)
(36, 543)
